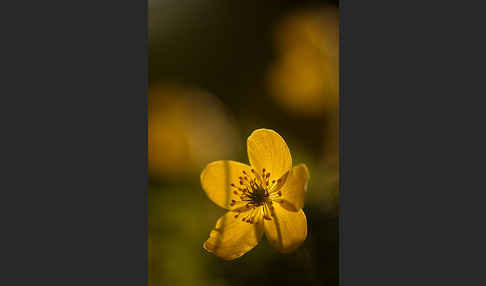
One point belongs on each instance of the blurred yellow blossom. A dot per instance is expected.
(305, 77)
(187, 128)
(266, 197)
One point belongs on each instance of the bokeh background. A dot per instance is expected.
(218, 70)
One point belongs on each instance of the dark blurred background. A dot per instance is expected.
(217, 71)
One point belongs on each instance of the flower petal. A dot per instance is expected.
(293, 191)
(287, 230)
(216, 180)
(267, 149)
(231, 238)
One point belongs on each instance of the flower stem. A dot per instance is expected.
(304, 256)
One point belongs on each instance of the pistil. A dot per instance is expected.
(256, 191)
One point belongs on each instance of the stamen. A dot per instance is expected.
(254, 191)
(249, 217)
(265, 215)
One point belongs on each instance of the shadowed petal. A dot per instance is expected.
(216, 180)
(267, 149)
(231, 238)
(287, 230)
(293, 191)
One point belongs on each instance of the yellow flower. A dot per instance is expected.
(187, 127)
(305, 77)
(266, 197)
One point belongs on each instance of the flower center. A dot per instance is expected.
(257, 193)
(258, 196)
